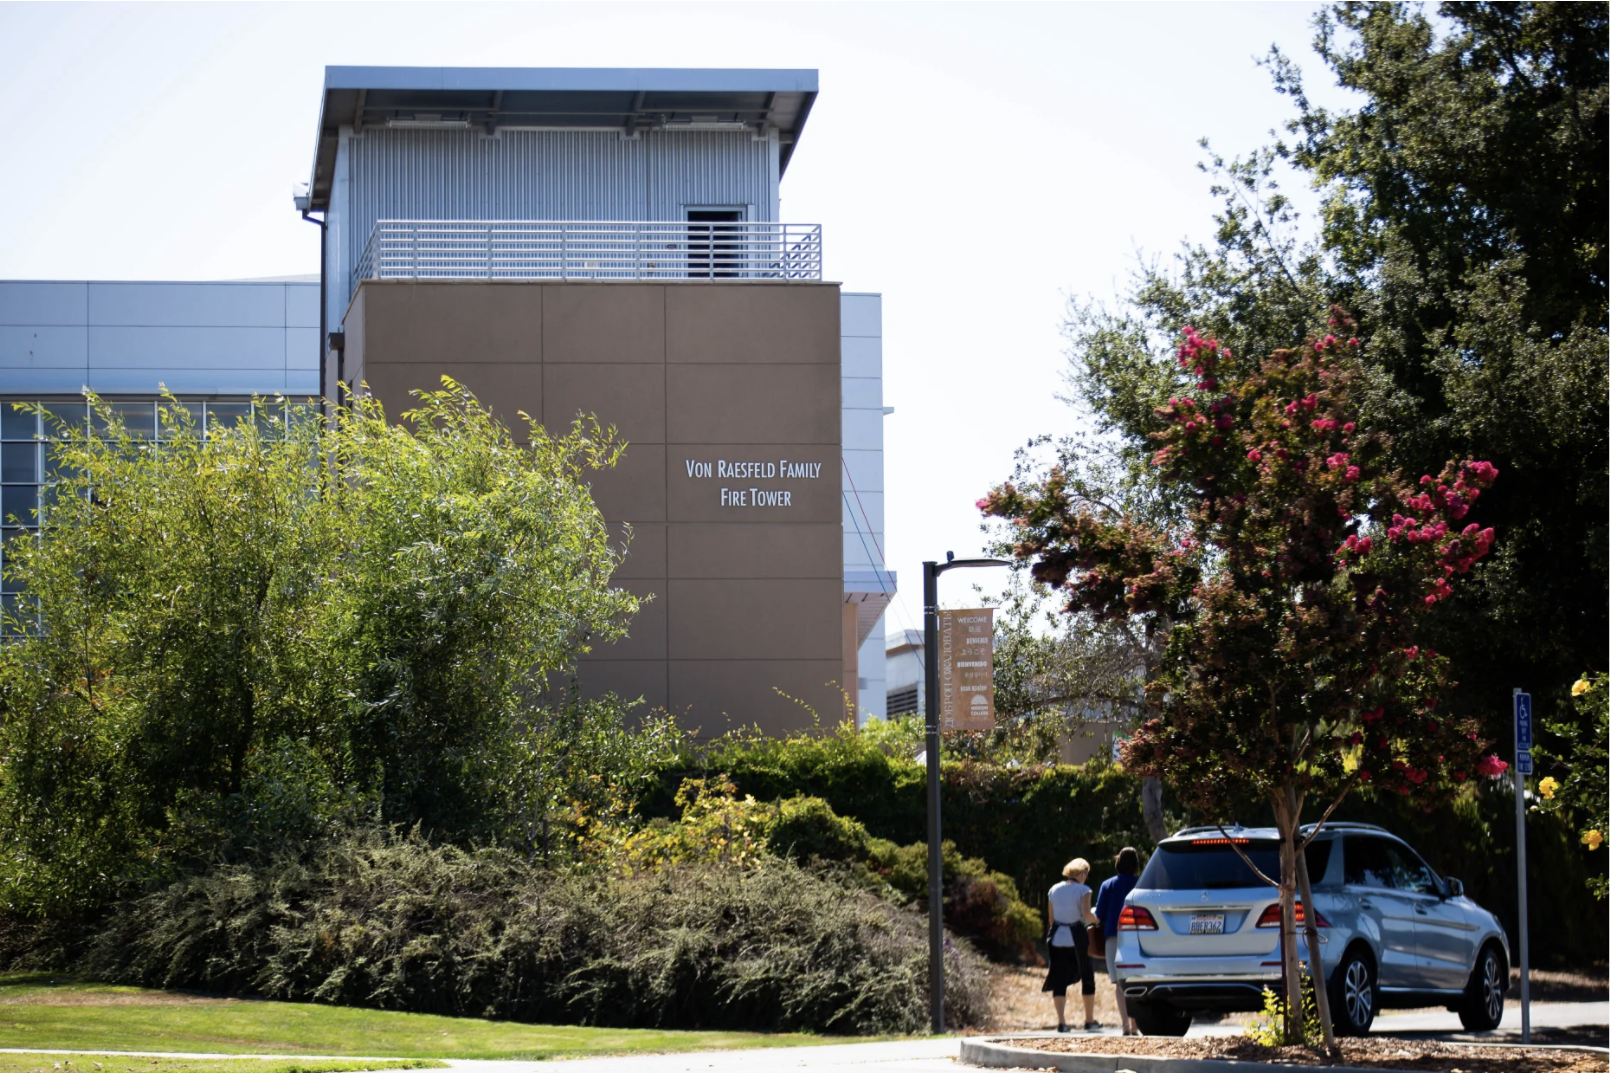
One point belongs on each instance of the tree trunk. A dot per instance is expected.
(1152, 808)
(1317, 967)
(1286, 824)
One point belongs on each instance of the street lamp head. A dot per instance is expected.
(950, 555)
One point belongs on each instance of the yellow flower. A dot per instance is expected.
(1592, 839)
(1580, 687)
(1547, 787)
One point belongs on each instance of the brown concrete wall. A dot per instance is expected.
(744, 600)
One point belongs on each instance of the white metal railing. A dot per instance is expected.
(584, 250)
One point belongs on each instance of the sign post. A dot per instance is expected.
(931, 747)
(1524, 767)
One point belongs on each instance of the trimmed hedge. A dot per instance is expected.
(1028, 821)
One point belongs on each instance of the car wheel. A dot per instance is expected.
(1353, 994)
(1155, 1019)
(1484, 1003)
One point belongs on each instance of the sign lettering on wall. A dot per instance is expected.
(749, 495)
(967, 670)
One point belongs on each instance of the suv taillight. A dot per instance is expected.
(1135, 918)
(1271, 917)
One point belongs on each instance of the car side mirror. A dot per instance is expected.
(1455, 888)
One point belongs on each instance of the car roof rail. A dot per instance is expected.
(1339, 825)
(1347, 825)
(1215, 829)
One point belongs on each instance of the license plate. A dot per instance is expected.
(1207, 924)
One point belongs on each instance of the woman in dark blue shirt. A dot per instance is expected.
(1109, 904)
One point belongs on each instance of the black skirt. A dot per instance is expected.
(1069, 964)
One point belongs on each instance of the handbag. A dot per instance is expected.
(1096, 944)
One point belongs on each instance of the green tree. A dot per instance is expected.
(1286, 601)
(256, 632)
(1466, 222)
(1465, 225)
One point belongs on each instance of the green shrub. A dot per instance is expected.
(979, 903)
(807, 828)
(718, 826)
(395, 923)
(715, 826)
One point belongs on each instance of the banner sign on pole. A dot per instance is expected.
(967, 670)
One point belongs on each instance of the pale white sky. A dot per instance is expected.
(976, 164)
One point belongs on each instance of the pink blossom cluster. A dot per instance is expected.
(1413, 774)
(1456, 501)
(1457, 558)
(1411, 530)
(1297, 405)
(1323, 425)
(1200, 352)
(1354, 545)
(1340, 461)
(1491, 767)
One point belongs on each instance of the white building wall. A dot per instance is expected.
(223, 338)
(862, 421)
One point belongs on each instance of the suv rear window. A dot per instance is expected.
(1210, 864)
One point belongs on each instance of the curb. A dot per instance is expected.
(991, 1054)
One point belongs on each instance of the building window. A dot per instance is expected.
(901, 701)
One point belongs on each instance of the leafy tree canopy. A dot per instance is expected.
(1464, 225)
(258, 632)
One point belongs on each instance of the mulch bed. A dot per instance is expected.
(1371, 1053)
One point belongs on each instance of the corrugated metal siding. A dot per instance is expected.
(546, 175)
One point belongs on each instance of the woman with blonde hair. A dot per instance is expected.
(1068, 912)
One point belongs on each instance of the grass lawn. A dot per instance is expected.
(53, 1011)
(111, 1063)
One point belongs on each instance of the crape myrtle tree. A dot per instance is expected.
(1286, 599)
(242, 635)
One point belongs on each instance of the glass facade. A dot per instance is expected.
(27, 469)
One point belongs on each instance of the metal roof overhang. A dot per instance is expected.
(576, 97)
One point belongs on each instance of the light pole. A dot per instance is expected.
(931, 747)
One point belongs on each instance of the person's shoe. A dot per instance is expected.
(1062, 1028)
(1093, 1026)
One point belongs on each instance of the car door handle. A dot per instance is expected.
(1364, 903)
(1420, 910)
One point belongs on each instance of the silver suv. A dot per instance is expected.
(1202, 932)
